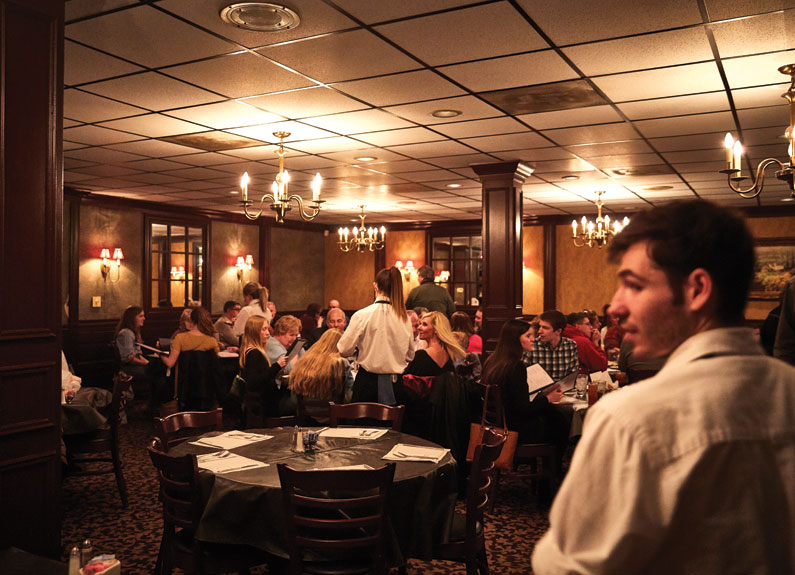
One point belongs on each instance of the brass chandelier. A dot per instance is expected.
(734, 152)
(596, 234)
(361, 238)
(279, 197)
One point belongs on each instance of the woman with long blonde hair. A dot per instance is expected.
(442, 350)
(382, 334)
(255, 369)
(322, 373)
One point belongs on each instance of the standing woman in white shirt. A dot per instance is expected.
(255, 297)
(384, 338)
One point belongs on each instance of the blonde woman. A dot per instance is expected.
(442, 350)
(200, 336)
(322, 373)
(255, 369)
(255, 298)
(382, 334)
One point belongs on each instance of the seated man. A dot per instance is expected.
(555, 353)
(335, 319)
(224, 325)
(592, 357)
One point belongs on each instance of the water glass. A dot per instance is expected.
(580, 386)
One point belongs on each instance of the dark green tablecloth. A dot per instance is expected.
(246, 506)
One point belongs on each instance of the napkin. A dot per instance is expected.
(231, 439)
(226, 462)
(406, 452)
(354, 432)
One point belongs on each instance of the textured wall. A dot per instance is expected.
(227, 241)
(349, 276)
(109, 228)
(404, 246)
(533, 272)
(768, 228)
(298, 267)
(584, 278)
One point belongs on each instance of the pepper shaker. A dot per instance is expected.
(86, 552)
(74, 561)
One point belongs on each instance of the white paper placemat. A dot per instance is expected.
(406, 452)
(226, 462)
(231, 439)
(354, 432)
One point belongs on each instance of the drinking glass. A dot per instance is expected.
(581, 385)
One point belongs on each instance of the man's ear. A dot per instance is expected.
(698, 289)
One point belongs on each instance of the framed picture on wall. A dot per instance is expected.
(775, 265)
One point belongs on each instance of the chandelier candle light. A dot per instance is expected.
(596, 234)
(734, 152)
(361, 238)
(279, 197)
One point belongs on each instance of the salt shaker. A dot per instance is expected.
(74, 561)
(86, 552)
(298, 440)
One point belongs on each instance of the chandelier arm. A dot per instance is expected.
(314, 207)
(758, 180)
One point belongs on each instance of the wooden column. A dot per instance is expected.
(502, 245)
(31, 220)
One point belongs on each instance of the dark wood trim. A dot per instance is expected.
(379, 260)
(72, 235)
(550, 266)
(265, 243)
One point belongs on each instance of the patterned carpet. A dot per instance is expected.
(91, 508)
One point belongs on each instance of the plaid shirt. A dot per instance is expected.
(558, 362)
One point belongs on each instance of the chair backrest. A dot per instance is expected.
(200, 379)
(480, 480)
(312, 411)
(180, 491)
(392, 415)
(343, 510)
(182, 425)
(493, 409)
(121, 384)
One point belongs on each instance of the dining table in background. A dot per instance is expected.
(246, 506)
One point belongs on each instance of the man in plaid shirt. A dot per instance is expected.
(555, 353)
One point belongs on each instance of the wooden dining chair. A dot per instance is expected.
(312, 412)
(338, 514)
(350, 412)
(180, 494)
(97, 452)
(184, 425)
(467, 543)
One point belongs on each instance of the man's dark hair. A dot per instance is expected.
(230, 304)
(555, 318)
(425, 273)
(684, 236)
(576, 317)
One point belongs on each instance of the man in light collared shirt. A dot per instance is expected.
(692, 470)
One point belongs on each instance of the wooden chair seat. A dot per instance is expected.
(184, 425)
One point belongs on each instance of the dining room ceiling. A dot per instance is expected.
(165, 102)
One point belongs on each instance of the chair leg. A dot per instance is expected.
(493, 491)
(483, 562)
(117, 470)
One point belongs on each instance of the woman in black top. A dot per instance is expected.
(442, 348)
(537, 421)
(255, 369)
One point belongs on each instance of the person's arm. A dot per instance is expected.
(171, 359)
(616, 527)
(784, 346)
(595, 357)
(240, 322)
(516, 397)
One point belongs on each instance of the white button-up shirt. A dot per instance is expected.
(691, 471)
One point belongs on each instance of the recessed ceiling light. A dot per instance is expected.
(445, 113)
(365, 158)
(454, 185)
(406, 203)
(570, 177)
(787, 199)
(260, 16)
(234, 192)
(657, 188)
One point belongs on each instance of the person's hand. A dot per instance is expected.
(282, 361)
(233, 349)
(595, 336)
(553, 393)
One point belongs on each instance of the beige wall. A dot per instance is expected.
(227, 242)
(533, 271)
(349, 276)
(297, 268)
(405, 246)
(109, 228)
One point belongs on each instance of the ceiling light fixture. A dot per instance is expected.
(260, 16)
(445, 113)
(596, 234)
(454, 185)
(365, 158)
(658, 188)
(362, 239)
(570, 177)
(279, 198)
(734, 152)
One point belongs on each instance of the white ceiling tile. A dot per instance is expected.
(72, 145)
(147, 36)
(371, 12)
(350, 156)
(569, 22)
(755, 35)
(473, 128)
(206, 159)
(714, 155)
(96, 136)
(81, 8)
(101, 156)
(683, 125)
(69, 177)
(224, 115)
(107, 171)
(359, 122)
(534, 154)
(757, 70)
(676, 81)
(764, 136)
(298, 131)
(195, 173)
(397, 137)
(463, 161)
(760, 96)
(156, 165)
(82, 64)
(695, 142)
(431, 149)
(316, 101)
(676, 106)
(624, 161)
(611, 149)
(490, 30)
(327, 145)
(507, 142)
(429, 176)
(400, 88)
(764, 117)
(154, 126)
(574, 117)
(641, 52)
(722, 9)
(510, 71)
(400, 166)
(592, 134)
(152, 91)
(153, 179)
(322, 58)
(154, 148)
(239, 75)
(90, 108)
(573, 165)
(470, 107)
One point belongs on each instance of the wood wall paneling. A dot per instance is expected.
(532, 270)
(230, 241)
(298, 268)
(349, 276)
(31, 219)
(404, 246)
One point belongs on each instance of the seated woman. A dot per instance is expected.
(184, 317)
(460, 321)
(285, 331)
(322, 373)
(442, 348)
(128, 342)
(255, 368)
(536, 421)
(199, 337)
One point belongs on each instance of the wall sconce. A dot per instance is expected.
(243, 263)
(178, 273)
(108, 262)
(406, 271)
(443, 277)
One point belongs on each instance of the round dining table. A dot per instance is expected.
(246, 506)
